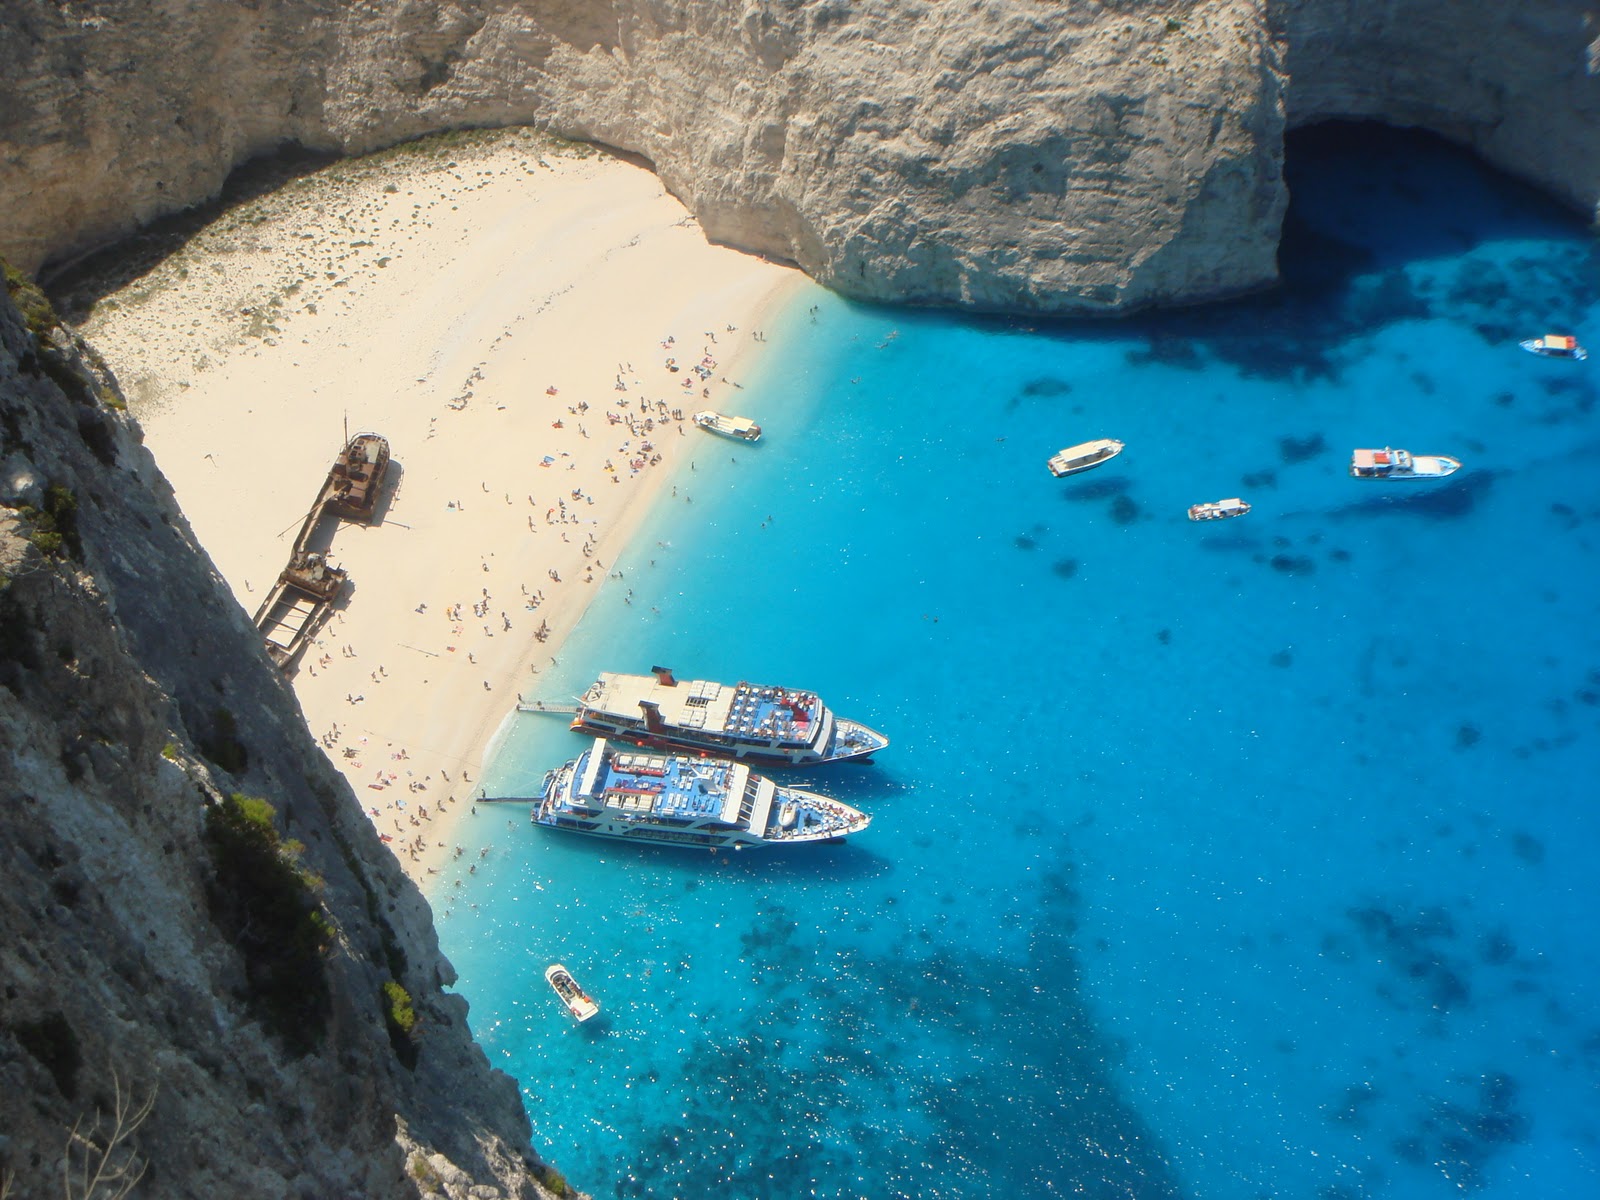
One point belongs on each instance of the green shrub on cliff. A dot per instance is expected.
(55, 526)
(554, 1181)
(266, 904)
(397, 1008)
(401, 1019)
(36, 308)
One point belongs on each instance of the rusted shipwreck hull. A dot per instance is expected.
(297, 606)
(357, 477)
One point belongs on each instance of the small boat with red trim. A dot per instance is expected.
(1389, 463)
(579, 1003)
(1555, 345)
(749, 722)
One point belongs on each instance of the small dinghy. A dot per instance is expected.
(1555, 345)
(574, 997)
(742, 428)
(1217, 510)
(1083, 456)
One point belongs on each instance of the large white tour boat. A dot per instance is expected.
(769, 726)
(1401, 464)
(637, 796)
(1083, 456)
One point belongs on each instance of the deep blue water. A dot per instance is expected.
(1208, 861)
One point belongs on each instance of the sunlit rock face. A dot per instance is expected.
(1003, 155)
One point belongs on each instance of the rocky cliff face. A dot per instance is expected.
(1084, 156)
(159, 942)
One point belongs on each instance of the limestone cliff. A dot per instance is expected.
(1074, 156)
(160, 941)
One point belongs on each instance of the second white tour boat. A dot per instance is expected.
(769, 726)
(677, 800)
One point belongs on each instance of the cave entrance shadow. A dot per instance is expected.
(1369, 204)
(1370, 207)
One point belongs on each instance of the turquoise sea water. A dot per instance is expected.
(1234, 860)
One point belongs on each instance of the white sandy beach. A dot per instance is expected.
(487, 304)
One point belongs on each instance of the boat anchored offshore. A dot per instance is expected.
(637, 796)
(769, 726)
(578, 1002)
(1555, 345)
(1083, 456)
(742, 428)
(1217, 510)
(1401, 464)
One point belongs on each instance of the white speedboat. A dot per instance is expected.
(742, 428)
(1217, 510)
(1555, 345)
(1083, 456)
(578, 1002)
(1401, 464)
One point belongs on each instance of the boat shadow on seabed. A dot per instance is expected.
(1441, 501)
(829, 862)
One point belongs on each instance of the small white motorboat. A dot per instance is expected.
(1555, 345)
(742, 428)
(1217, 510)
(1083, 456)
(1401, 464)
(578, 1001)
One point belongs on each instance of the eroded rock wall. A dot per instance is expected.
(1081, 156)
(995, 155)
(122, 654)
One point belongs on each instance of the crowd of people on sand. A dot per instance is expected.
(410, 816)
(397, 810)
